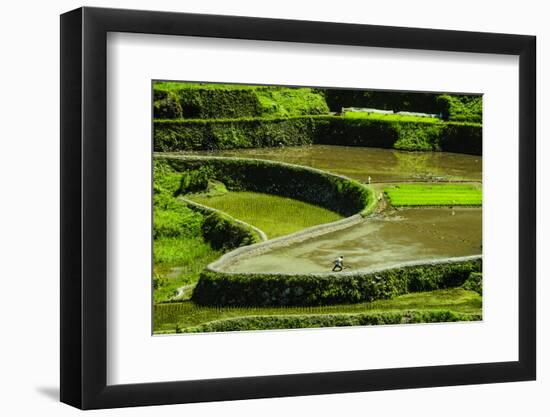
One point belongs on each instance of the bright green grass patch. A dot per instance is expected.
(178, 261)
(284, 102)
(178, 85)
(434, 195)
(172, 316)
(276, 216)
(390, 117)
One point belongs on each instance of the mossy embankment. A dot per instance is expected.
(457, 303)
(174, 100)
(217, 288)
(221, 116)
(194, 116)
(187, 238)
(333, 192)
(422, 134)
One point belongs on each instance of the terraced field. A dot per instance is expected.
(434, 195)
(411, 183)
(276, 216)
(172, 316)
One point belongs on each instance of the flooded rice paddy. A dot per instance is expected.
(384, 240)
(382, 165)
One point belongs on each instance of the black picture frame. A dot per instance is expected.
(84, 207)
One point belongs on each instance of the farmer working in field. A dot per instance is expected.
(338, 264)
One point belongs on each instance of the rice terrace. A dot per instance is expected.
(291, 207)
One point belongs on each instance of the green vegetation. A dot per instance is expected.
(183, 315)
(184, 85)
(207, 100)
(338, 194)
(385, 100)
(197, 116)
(185, 240)
(238, 289)
(414, 133)
(184, 135)
(461, 108)
(455, 107)
(276, 216)
(382, 131)
(281, 199)
(224, 233)
(179, 262)
(281, 101)
(331, 320)
(434, 195)
(179, 251)
(391, 117)
(474, 283)
(174, 100)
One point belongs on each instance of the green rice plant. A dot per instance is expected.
(178, 261)
(276, 216)
(188, 314)
(391, 117)
(330, 320)
(434, 195)
(344, 196)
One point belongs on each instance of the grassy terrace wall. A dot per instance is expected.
(178, 219)
(383, 132)
(210, 101)
(234, 289)
(336, 193)
(330, 320)
(450, 107)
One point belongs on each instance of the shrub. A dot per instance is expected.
(220, 288)
(461, 108)
(330, 320)
(178, 135)
(204, 102)
(341, 195)
(225, 234)
(280, 101)
(175, 220)
(215, 101)
(166, 105)
(474, 283)
(455, 107)
(381, 132)
(171, 217)
(159, 281)
(165, 180)
(356, 132)
(385, 100)
(195, 180)
(418, 136)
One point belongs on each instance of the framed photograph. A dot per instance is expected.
(257, 208)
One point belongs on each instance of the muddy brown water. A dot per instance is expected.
(382, 165)
(396, 236)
